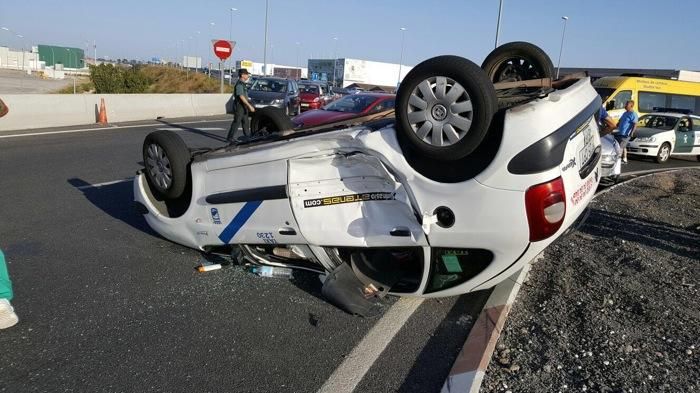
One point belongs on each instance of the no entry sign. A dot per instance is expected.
(223, 49)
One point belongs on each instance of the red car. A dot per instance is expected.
(314, 95)
(350, 106)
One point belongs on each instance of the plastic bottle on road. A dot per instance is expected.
(271, 271)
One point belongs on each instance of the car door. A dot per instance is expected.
(696, 131)
(249, 203)
(294, 101)
(350, 200)
(685, 137)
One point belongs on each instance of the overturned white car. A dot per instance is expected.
(476, 172)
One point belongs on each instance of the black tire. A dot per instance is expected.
(479, 90)
(516, 61)
(270, 119)
(178, 158)
(663, 158)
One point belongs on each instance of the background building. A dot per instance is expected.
(355, 71)
(18, 60)
(66, 56)
(282, 71)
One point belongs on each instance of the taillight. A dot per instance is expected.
(546, 208)
(317, 99)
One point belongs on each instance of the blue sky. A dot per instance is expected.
(599, 33)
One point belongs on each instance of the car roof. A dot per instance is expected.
(373, 94)
(673, 114)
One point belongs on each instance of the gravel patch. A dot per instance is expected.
(614, 306)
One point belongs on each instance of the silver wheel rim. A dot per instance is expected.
(440, 111)
(664, 153)
(159, 166)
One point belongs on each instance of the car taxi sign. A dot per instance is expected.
(223, 49)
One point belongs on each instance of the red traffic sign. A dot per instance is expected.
(223, 49)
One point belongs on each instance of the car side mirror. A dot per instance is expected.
(610, 105)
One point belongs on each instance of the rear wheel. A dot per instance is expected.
(166, 157)
(270, 119)
(517, 61)
(664, 153)
(444, 108)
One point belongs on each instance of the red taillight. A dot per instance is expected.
(546, 208)
(317, 99)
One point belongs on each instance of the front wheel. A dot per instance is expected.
(664, 153)
(444, 108)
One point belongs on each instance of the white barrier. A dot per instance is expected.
(29, 111)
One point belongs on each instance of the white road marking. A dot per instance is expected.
(196, 128)
(107, 183)
(106, 128)
(349, 374)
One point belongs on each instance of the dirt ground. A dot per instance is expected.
(614, 306)
(18, 82)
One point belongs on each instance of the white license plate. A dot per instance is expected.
(304, 105)
(260, 105)
(586, 151)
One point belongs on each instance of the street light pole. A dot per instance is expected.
(561, 48)
(267, 9)
(335, 55)
(498, 24)
(403, 33)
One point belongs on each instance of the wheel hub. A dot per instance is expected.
(439, 112)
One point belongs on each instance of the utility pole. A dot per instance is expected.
(267, 9)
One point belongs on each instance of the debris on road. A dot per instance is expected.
(613, 307)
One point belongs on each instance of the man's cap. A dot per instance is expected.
(243, 71)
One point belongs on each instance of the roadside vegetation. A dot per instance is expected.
(111, 79)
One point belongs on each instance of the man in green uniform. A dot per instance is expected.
(7, 313)
(241, 106)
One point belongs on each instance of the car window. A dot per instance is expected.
(621, 98)
(384, 105)
(684, 124)
(313, 89)
(658, 122)
(648, 101)
(271, 85)
(696, 123)
(351, 104)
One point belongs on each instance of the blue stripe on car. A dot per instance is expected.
(238, 221)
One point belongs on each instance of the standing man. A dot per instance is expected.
(626, 128)
(8, 317)
(241, 106)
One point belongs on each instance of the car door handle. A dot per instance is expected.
(287, 231)
(400, 232)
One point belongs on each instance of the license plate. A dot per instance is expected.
(305, 105)
(586, 151)
(260, 105)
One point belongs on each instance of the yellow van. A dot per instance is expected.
(648, 93)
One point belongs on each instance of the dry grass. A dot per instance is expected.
(82, 85)
(171, 80)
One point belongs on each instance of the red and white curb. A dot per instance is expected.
(468, 369)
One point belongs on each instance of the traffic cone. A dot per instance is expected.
(102, 117)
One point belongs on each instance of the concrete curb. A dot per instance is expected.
(470, 366)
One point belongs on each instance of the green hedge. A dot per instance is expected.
(110, 79)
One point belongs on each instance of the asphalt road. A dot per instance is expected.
(106, 305)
